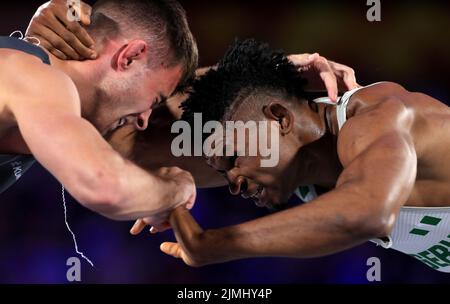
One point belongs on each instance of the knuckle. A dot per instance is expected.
(44, 14)
(162, 171)
(351, 71)
(323, 60)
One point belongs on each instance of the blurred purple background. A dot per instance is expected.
(410, 46)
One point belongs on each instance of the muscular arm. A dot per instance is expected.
(45, 106)
(380, 170)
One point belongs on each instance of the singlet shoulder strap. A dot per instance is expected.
(26, 47)
(341, 109)
(342, 104)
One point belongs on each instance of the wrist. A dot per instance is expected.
(221, 245)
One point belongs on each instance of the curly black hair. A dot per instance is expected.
(249, 67)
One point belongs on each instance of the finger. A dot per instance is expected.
(160, 228)
(70, 38)
(303, 60)
(350, 81)
(311, 59)
(48, 46)
(86, 12)
(191, 201)
(138, 227)
(75, 27)
(77, 30)
(327, 75)
(347, 74)
(299, 60)
(86, 43)
(172, 249)
(57, 42)
(81, 33)
(331, 84)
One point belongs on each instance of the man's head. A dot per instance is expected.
(146, 54)
(254, 83)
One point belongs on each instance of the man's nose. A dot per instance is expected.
(142, 120)
(238, 185)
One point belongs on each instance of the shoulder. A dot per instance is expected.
(20, 66)
(378, 92)
(24, 78)
(382, 115)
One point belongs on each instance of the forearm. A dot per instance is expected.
(142, 194)
(96, 175)
(367, 199)
(316, 229)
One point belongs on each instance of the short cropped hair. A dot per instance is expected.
(161, 23)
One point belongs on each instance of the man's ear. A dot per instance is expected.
(135, 50)
(278, 112)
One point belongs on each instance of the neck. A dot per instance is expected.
(83, 76)
(319, 160)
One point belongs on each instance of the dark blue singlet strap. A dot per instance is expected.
(24, 46)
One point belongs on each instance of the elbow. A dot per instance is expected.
(371, 224)
(379, 225)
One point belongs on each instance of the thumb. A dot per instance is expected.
(172, 249)
(86, 12)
